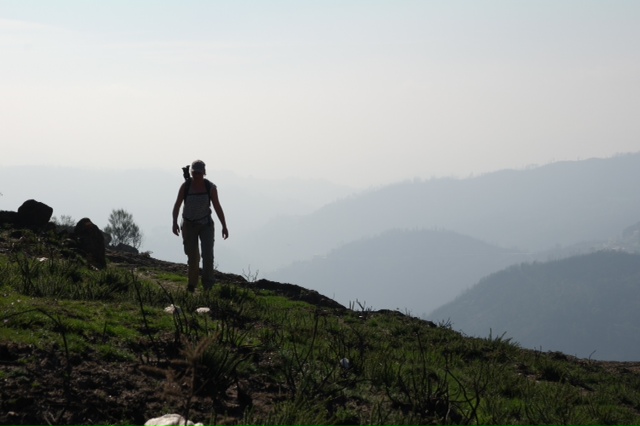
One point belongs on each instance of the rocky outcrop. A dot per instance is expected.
(90, 240)
(31, 214)
(8, 218)
(125, 248)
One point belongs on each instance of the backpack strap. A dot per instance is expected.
(187, 185)
(207, 184)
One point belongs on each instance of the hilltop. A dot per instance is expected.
(127, 343)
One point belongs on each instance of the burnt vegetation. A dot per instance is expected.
(126, 343)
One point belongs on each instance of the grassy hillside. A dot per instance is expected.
(121, 345)
(586, 305)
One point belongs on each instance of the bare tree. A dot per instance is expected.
(123, 229)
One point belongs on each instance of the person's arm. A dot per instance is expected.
(176, 210)
(219, 212)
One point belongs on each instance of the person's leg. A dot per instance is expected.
(190, 241)
(206, 241)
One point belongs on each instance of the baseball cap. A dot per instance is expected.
(198, 166)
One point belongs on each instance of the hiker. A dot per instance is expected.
(198, 194)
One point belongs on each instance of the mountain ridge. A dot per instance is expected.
(409, 270)
(536, 209)
(584, 305)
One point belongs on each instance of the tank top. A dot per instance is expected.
(197, 206)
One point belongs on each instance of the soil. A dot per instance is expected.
(39, 388)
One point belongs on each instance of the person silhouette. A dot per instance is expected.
(198, 194)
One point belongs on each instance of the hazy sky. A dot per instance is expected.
(356, 92)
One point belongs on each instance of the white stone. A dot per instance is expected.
(171, 420)
(344, 362)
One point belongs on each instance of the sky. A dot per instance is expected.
(360, 92)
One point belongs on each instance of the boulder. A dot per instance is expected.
(34, 215)
(91, 241)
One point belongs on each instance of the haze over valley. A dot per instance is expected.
(413, 245)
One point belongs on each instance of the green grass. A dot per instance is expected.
(172, 277)
(401, 370)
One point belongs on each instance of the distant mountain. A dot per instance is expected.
(628, 240)
(399, 269)
(552, 206)
(586, 305)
